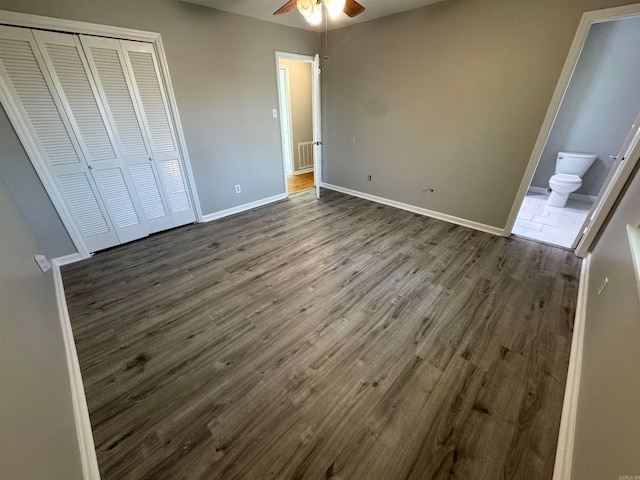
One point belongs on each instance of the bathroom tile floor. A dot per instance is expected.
(558, 226)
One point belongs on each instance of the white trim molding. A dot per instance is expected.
(310, 59)
(419, 210)
(68, 259)
(566, 436)
(243, 208)
(86, 445)
(633, 234)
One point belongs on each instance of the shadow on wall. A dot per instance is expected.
(600, 105)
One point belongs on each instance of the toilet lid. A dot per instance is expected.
(566, 178)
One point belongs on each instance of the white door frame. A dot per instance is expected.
(310, 59)
(588, 19)
(317, 124)
(71, 26)
(620, 171)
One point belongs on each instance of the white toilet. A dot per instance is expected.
(570, 168)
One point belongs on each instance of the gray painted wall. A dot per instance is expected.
(600, 105)
(301, 104)
(607, 434)
(37, 431)
(25, 187)
(450, 96)
(224, 77)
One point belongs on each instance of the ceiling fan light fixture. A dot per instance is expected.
(335, 7)
(314, 8)
(316, 17)
(306, 7)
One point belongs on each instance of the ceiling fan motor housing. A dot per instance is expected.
(313, 8)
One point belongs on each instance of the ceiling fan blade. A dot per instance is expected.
(286, 7)
(353, 8)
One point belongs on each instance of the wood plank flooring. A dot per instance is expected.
(297, 183)
(335, 339)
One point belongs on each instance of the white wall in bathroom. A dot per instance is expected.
(601, 103)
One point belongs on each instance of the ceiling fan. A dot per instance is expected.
(311, 10)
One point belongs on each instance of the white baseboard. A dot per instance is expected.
(575, 196)
(566, 436)
(67, 259)
(304, 170)
(419, 210)
(243, 208)
(86, 445)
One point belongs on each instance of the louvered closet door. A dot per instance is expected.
(148, 88)
(106, 62)
(65, 61)
(25, 80)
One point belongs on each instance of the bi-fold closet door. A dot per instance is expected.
(97, 112)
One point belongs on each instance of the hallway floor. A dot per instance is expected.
(297, 183)
(557, 226)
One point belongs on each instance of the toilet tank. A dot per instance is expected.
(574, 163)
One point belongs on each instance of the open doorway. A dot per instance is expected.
(296, 95)
(585, 135)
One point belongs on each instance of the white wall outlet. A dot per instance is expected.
(275, 113)
(238, 189)
(42, 262)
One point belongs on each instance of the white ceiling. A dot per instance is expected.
(263, 9)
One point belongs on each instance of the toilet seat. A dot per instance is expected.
(570, 168)
(566, 178)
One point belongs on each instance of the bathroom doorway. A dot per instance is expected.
(295, 94)
(595, 113)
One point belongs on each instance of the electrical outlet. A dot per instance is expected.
(368, 178)
(238, 189)
(42, 262)
(275, 113)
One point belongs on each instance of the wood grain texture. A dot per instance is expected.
(297, 183)
(324, 339)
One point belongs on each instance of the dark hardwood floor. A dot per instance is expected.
(324, 339)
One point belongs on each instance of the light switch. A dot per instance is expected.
(275, 113)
